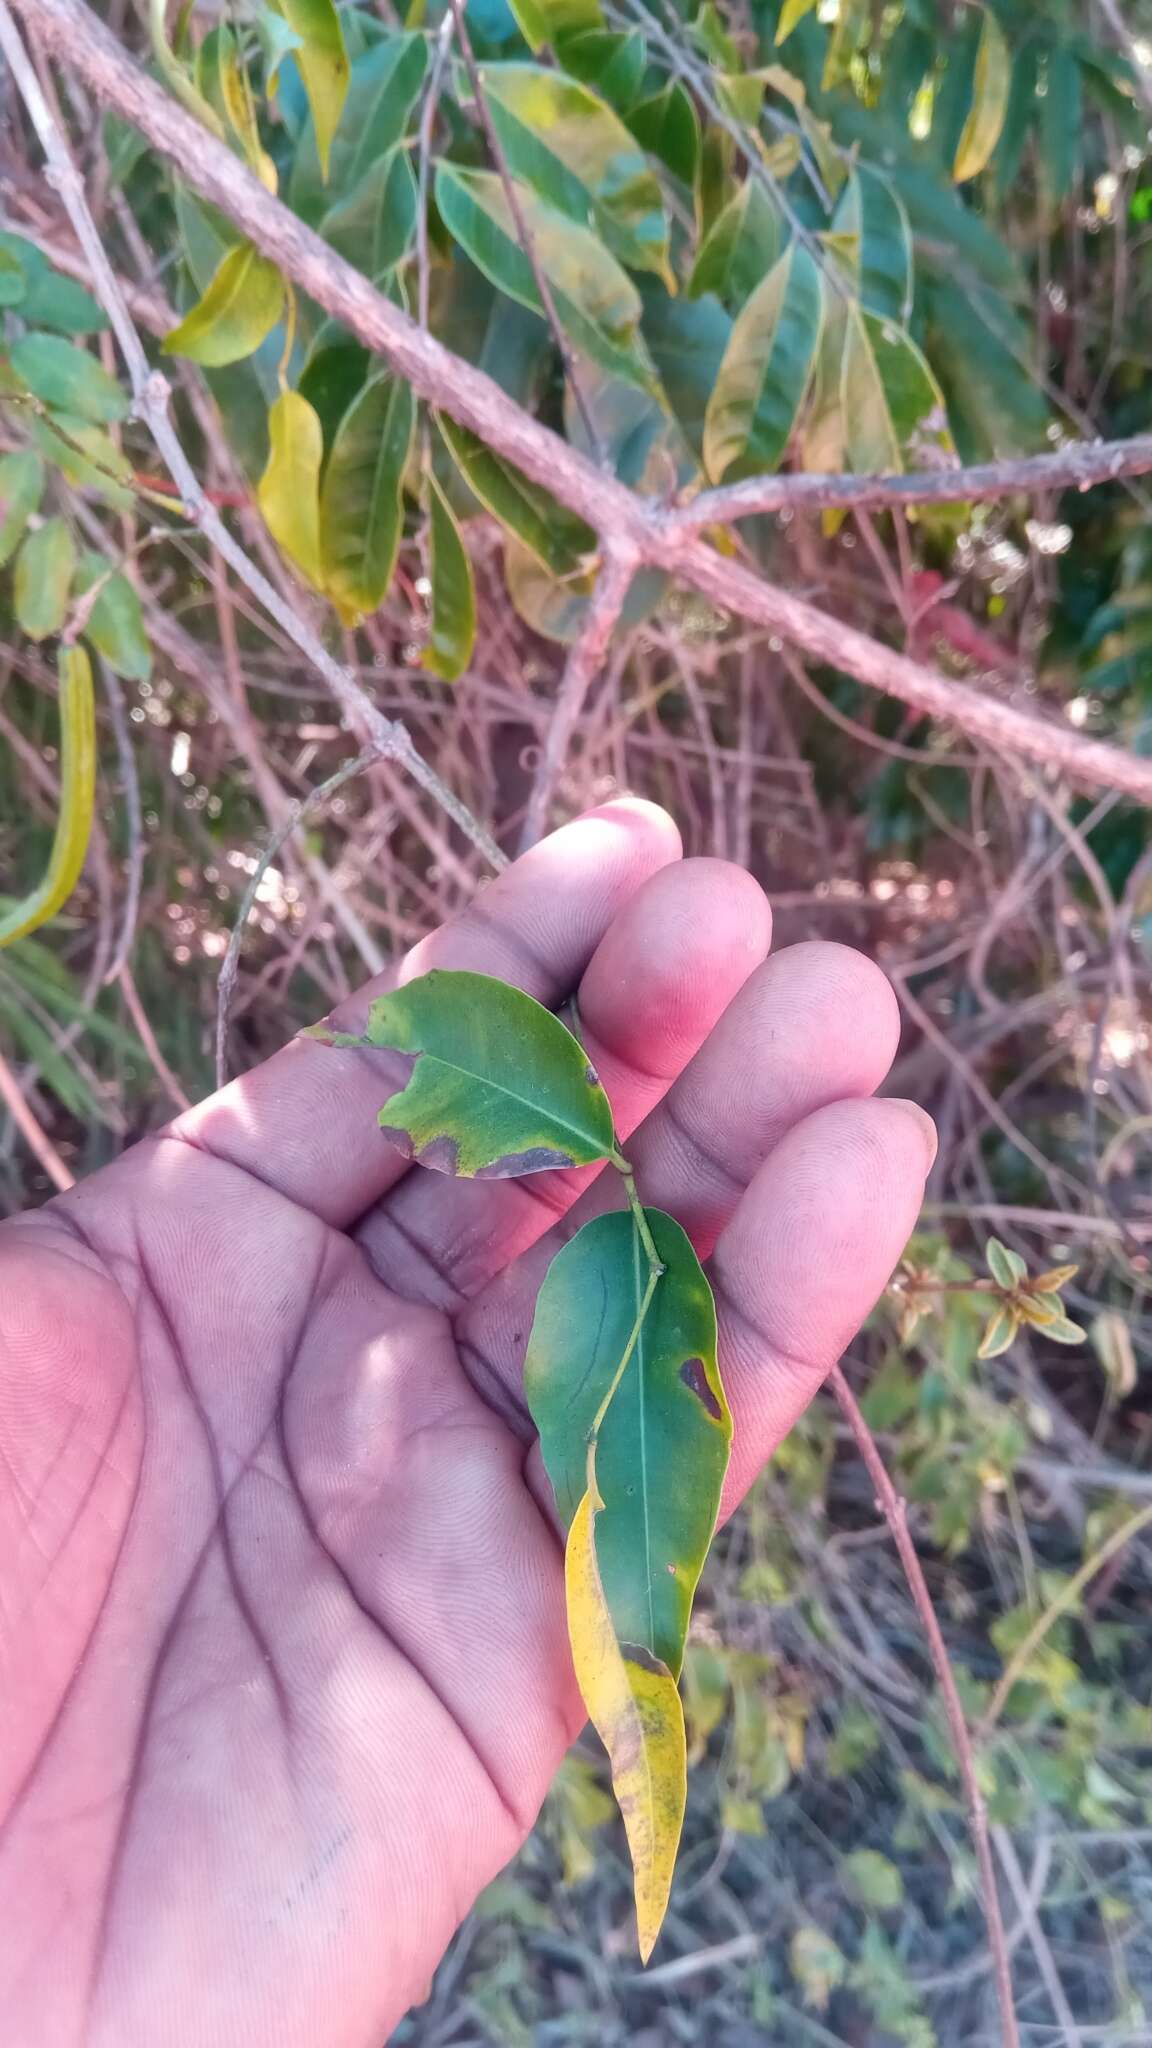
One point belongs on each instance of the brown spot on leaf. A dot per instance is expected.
(637, 1653)
(591, 1076)
(538, 1159)
(441, 1154)
(401, 1139)
(694, 1376)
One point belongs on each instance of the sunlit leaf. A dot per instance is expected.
(375, 225)
(990, 85)
(766, 370)
(68, 378)
(361, 504)
(322, 60)
(237, 312)
(668, 127)
(496, 1085)
(572, 149)
(453, 623)
(668, 1415)
(596, 301)
(633, 1702)
(880, 256)
(894, 411)
(546, 21)
(45, 567)
(77, 802)
(792, 12)
(21, 489)
(559, 541)
(740, 248)
(288, 493)
(114, 625)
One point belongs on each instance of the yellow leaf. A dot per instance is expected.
(990, 89)
(77, 801)
(289, 490)
(238, 311)
(793, 11)
(632, 1700)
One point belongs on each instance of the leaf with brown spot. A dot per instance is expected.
(497, 1085)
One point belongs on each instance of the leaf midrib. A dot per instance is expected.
(484, 1081)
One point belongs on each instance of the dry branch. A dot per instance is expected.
(68, 31)
(585, 660)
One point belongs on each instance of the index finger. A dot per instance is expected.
(303, 1123)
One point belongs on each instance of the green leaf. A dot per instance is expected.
(687, 339)
(87, 456)
(743, 243)
(792, 12)
(871, 214)
(875, 1880)
(13, 282)
(572, 149)
(277, 40)
(497, 1085)
(979, 351)
(453, 634)
(546, 21)
(45, 567)
(1006, 1266)
(21, 489)
(824, 429)
(558, 540)
(333, 376)
(289, 490)
(668, 127)
(662, 1445)
(634, 1705)
(115, 625)
(323, 64)
(596, 302)
(817, 1964)
(893, 408)
(766, 370)
(361, 505)
(611, 60)
(77, 795)
(50, 300)
(384, 88)
(990, 86)
(68, 378)
(999, 1333)
(237, 312)
(1061, 121)
(375, 225)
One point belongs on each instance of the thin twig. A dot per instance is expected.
(151, 393)
(1076, 467)
(130, 793)
(37, 1139)
(586, 658)
(297, 812)
(524, 233)
(1030, 1921)
(895, 1512)
(148, 1039)
(69, 30)
(424, 162)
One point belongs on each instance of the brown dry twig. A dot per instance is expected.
(585, 660)
(68, 31)
(895, 1512)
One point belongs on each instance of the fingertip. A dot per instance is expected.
(645, 825)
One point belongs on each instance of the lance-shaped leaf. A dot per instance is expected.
(114, 624)
(384, 88)
(45, 567)
(335, 373)
(596, 302)
(497, 1086)
(558, 540)
(323, 64)
(374, 226)
(545, 21)
(662, 1444)
(569, 146)
(792, 12)
(824, 432)
(361, 505)
(668, 126)
(453, 632)
(633, 1702)
(740, 248)
(77, 801)
(21, 489)
(68, 378)
(613, 61)
(766, 370)
(288, 493)
(237, 312)
(894, 412)
(990, 87)
(877, 243)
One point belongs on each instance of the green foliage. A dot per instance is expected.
(621, 1373)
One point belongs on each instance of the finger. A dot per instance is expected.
(815, 1024)
(304, 1122)
(805, 1259)
(665, 971)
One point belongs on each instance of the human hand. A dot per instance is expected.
(283, 1666)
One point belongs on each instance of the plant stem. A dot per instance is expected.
(655, 1264)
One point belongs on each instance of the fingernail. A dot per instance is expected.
(923, 1122)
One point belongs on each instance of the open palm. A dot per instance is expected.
(283, 1669)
